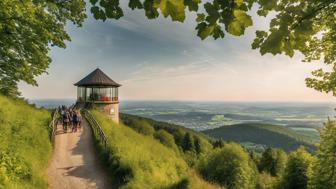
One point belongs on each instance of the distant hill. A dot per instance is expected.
(264, 134)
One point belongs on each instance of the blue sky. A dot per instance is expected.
(164, 60)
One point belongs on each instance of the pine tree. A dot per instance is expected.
(197, 144)
(188, 143)
(273, 161)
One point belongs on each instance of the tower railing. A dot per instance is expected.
(97, 130)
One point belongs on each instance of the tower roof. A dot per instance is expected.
(97, 78)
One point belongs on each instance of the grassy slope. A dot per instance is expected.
(24, 145)
(143, 162)
(171, 128)
(270, 135)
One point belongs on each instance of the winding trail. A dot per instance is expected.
(75, 164)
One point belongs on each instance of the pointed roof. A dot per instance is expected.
(97, 78)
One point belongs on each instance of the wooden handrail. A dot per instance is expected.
(95, 126)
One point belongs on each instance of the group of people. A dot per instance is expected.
(71, 118)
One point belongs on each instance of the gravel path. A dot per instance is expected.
(75, 164)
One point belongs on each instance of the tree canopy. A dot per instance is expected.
(29, 27)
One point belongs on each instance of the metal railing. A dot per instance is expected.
(95, 127)
(53, 124)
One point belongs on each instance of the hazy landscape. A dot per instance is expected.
(208, 115)
(302, 119)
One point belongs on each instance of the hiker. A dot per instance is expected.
(62, 115)
(74, 121)
(79, 120)
(66, 120)
(71, 116)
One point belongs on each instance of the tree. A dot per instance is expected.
(229, 166)
(188, 142)
(308, 27)
(197, 144)
(27, 30)
(324, 176)
(273, 161)
(298, 170)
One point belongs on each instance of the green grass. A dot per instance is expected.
(25, 147)
(136, 159)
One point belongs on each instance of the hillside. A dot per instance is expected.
(25, 147)
(265, 134)
(144, 154)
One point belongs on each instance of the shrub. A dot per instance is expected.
(166, 139)
(141, 126)
(229, 166)
(266, 181)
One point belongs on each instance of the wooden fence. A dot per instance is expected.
(95, 127)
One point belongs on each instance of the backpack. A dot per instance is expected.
(75, 117)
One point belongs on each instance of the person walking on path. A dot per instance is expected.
(74, 121)
(66, 121)
(79, 118)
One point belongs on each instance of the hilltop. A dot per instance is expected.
(264, 134)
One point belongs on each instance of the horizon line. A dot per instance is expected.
(203, 101)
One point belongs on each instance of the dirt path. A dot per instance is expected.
(75, 164)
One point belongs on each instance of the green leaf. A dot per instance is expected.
(239, 2)
(172, 8)
(95, 12)
(192, 4)
(240, 23)
(135, 4)
(93, 2)
(200, 17)
(204, 30)
(150, 11)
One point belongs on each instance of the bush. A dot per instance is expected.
(266, 181)
(166, 139)
(229, 166)
(139, 125)
(25, 146)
